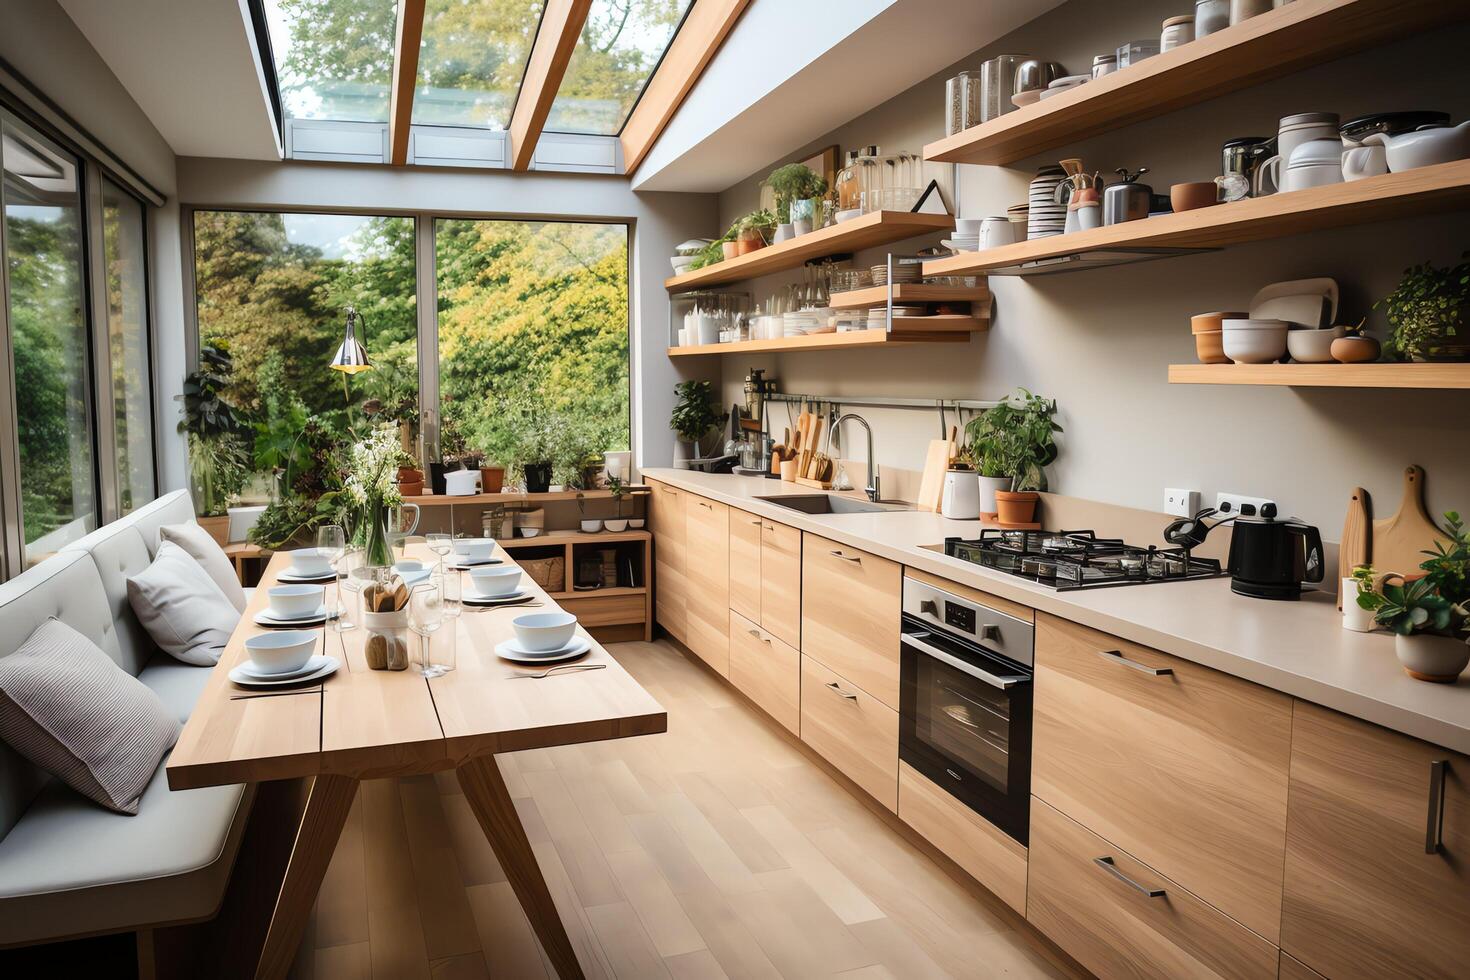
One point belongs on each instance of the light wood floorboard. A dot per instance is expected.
(718, 849)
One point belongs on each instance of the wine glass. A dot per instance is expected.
(448, 582)
(331, 541)
(426, 617)
(440, 544)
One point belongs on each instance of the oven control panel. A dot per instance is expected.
(972, 621)
(960, 616)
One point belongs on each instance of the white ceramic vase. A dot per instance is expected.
(1354, 616)
(1428, 657)
(961, 498)
(988, 486)
(785, 231)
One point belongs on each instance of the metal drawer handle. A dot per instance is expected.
(770, 527)
(757, 635)
(757, 522)
(841, 692)
(838, 554)
(1434, 832)
(705, 505)
(1106, 863)
(1116, 656)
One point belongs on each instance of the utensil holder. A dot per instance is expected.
(387, 641)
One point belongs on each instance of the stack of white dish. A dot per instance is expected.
(412, 572)
(544, 638)
(293, 605)
(966, 237)
(309, 565)
(1046, 217)
(492, 585)
(1295, 317)
(904, 270)
(474, 551)
(287, 657)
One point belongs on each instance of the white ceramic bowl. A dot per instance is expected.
(281, 652)
(1313, 346)
(295, 601)
(496, 580)
(1254, 341)
(616, 525)
(967, 227)
(543, 632)
(591, 526)
(477, 549)
(529, 532)
(681, 262)
(412, 572)
(308, 562)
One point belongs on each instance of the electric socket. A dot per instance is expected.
(1232, 504)
(1181, 503)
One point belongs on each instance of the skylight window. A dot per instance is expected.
(334, 58)
(471, 61)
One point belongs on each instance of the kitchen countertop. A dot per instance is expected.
(1298, 648)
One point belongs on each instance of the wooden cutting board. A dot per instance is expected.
(1398, 544)
(1356, 546)
(936, 462)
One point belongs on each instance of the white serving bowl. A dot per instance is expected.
(544, 632)
(591, 526)
(1254, 341)
(967, 227)
(295, 601)
(310, 562)
(280, 652)
(681, 262)
(496, 580)
(616, 524)
(411, 571)
(476, 549)
(529, 532)
(1313, 346)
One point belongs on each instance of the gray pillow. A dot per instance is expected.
(71, 711)
(181, 608)
(201, 546)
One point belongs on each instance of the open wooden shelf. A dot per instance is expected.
(867, 231)
(938, 330)
(605, 593)
(1264, 47)
(1445, 187)
(1324, 375)
(556, 538)
(509, 497)
(919, 292)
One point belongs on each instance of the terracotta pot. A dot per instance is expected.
(1016, 508)
(1355, 350)
(730, 249)
(411, 489)
(745, 246)
(218, 528)
(410, 474)
(1427, 657)
(492, 479)
(1192, 196)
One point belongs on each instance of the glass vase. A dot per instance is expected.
(379, 553)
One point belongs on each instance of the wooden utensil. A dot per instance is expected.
(1399, 542)
(1356, 547)
(936, 461)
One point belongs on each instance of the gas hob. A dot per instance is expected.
(1066, 560)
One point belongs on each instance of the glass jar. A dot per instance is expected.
(1176, 31)
(387, 639)
(1210, 16)
(962, 102)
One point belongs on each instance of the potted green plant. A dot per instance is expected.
(797, 189)
(1355, 616)
(692, 419)
(589, 525)
(1015, 440)
(1428, 615)
(218, 438)
(1428, 311)
(754, 231)
(618, 490)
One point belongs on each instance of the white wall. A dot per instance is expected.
(1100, 341)
(660, 221)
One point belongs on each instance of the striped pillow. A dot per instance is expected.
(71, 711)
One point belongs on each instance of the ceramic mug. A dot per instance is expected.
(995, 232)
(1089, 216)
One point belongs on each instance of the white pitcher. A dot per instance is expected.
(1423, 147)
(961, 498)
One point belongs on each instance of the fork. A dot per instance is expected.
(550, 670)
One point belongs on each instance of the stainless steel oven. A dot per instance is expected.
(965, 702)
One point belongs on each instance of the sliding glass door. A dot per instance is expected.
(124, 254)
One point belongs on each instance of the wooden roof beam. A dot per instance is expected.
(406, 43)
(561, 26)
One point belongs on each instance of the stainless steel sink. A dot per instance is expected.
(827, 503)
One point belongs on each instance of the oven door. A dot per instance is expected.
(966, 725)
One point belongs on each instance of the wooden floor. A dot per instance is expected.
(717, 849)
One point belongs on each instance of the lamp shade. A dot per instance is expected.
(351, 356)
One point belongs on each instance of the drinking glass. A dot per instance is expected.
(349, 590)
(441, 545)
(448, 582)
(331, 541)
(425, 618)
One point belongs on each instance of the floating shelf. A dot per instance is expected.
(1267, 46)
(1445, 187)
(867, 231)
(1324, 375)
(871, 296)
(956, 330)
(511, 497)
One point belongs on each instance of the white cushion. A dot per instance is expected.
(202, 547)
(181, 608)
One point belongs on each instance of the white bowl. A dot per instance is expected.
(543, 632)
(967, 227)
(529, 532)
(1313, 346)
(476, 549)
(412, 572)
(1022, 99)
(282, 651)
(591, 527)
(616, 525)
(295, 601)
(310, 562)
(496, 580)
(1254, 341)
(681, 262)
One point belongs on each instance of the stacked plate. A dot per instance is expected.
(1046, 217)
(315, 668)
(904, 270)
(543, 638)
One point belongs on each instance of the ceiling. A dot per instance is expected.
(191, 67)
(763, 96)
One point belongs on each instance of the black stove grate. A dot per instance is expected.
(1068, 560)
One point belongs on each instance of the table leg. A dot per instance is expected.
(321, 824)
(484, 788)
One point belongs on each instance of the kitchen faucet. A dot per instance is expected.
(872, 488)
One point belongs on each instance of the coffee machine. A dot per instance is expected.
(1271, 558)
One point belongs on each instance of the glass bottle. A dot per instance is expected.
(869, 178)
(849, 186)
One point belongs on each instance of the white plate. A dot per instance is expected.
(1022, 99)
(313, 664)
(249, 680)
(961, 246)
(295, 579)
(264, 618)
(475, 598)
(464, 566)
(513, 651)
(1298, 301)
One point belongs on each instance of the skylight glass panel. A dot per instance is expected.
(471, 61)
(621, 44)
(334, 58)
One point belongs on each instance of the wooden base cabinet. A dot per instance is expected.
(707, 578)
(781, 551)
(989, 855)
(767, 671)
(851, 729)
(1120, 918)
(666, 521)
(850, 607)
(1377, 852)
(1181, 766)
(745, 564)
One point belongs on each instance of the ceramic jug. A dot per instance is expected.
(1364, 161)
(1423, 147)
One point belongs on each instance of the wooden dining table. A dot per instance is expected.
(361, 724)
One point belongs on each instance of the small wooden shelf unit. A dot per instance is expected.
(611, 614)
(1427, 376)
(906, 330)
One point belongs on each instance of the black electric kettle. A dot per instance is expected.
(1270, 558)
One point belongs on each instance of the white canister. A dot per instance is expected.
(997, 231)
(1304, 127)
(1246, 9)
(1354, 616)
(961, 498)
(1211, 16)
(1176, 31)
(461, 483)
(988, 486)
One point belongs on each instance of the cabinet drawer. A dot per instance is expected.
(668, 601)
(766, 670)
(1092, 899)
(707, 578)
(1179, 765)
(851, 729)
(991, 856)
(781, 582)
(666, 518)
(850, 606)
(595, 610)
(1365, 897)
(745, 564)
